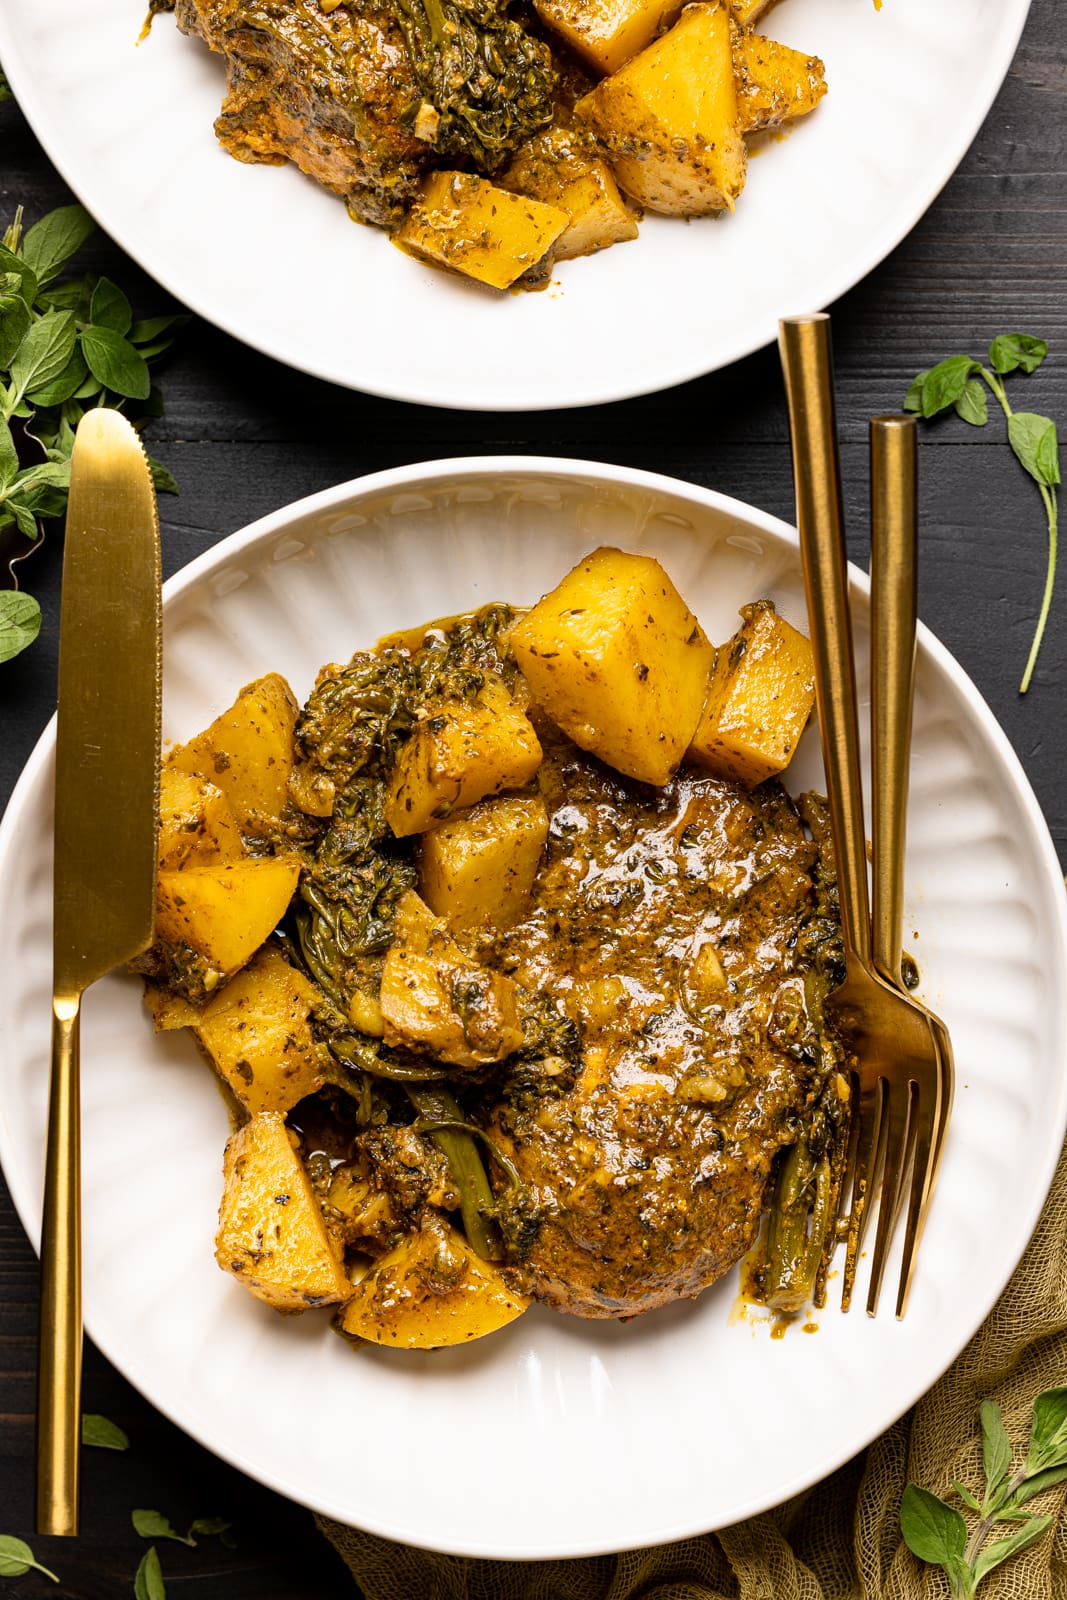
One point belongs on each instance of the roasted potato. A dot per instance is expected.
(616, 659)
(668, 119)
(248, 752)
(224, 912)
(460, 752)
(436, 998)
(272, 1235)
(472, 226)
(559, 167)
(196, 822)
(257, 1031)
(759, 701)
(477, 870)
(774, 83)
(431, 1290)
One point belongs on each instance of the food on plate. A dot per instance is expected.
(495, 138)
(535, 1008)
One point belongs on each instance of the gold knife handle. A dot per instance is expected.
(60, 1342)
(807, 363)
(894, 522)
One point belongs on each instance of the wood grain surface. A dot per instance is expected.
(244, 436)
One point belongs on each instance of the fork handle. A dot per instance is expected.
(894, 521)
(807, 363)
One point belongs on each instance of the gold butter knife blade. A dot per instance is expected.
(106, 829)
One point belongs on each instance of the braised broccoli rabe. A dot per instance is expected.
(489, 82)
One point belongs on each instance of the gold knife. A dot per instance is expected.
(106, 828)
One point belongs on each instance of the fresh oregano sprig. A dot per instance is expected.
(937, 1533)
(66, 344)
(957, 384)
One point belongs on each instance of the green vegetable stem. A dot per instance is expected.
(957, 384)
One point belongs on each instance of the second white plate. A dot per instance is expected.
(266, 254)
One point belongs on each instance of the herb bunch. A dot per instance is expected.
(936, 1532)
(66, 344)
(959, 384)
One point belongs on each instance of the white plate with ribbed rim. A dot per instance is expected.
(575, 1437)
(269, 256)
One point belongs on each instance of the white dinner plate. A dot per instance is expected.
(555, 1437)
(266, 254)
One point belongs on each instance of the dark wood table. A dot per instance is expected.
(244, 436)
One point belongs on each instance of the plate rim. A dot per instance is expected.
(997, 66)
(262, 530)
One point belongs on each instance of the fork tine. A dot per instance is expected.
(928, 1139)
(897, 1116)
(868, 1114)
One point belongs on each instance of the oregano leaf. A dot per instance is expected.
(945, 384)
(1033, 438)
(20, 622)
(973, 404)
(148, 1583)
(1016, 350)
(932, 1530)
(1048, 1435)
(993, 1554)
(154, 1525)
(50, 243)
(115, 362)
(102, 1433)
(996, 1447)
(109, 307)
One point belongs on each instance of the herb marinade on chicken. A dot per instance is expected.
(363, 96)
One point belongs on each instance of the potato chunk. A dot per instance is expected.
(248, 752)
(761, 695)
(257, 1031)
(669, 121)
(560, 168)
(478, 870)
(605, 33)
(435, 998)
(459, 753)
(774, 83)
(225, 912)
(619, 662)
(431, 1290)
(196, 823)
(746, 11)
(271, 1235)
(468, 224)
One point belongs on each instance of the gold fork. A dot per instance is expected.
(894, 524)
(896, 1067)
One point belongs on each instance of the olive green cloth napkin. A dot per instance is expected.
(840, 1540)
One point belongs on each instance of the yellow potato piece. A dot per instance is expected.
(271, 1235)
(196, 822)
(248, 752)
(459, 753)
(434, 997)
(257, 1031)
(759, 701)
(225, 912)
(746, 11)
(606, 33)
(478, 870)
(431, 1290)
(668, 119)
(468, 224)
(558, 167)
(774, 83)
(616, 659)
